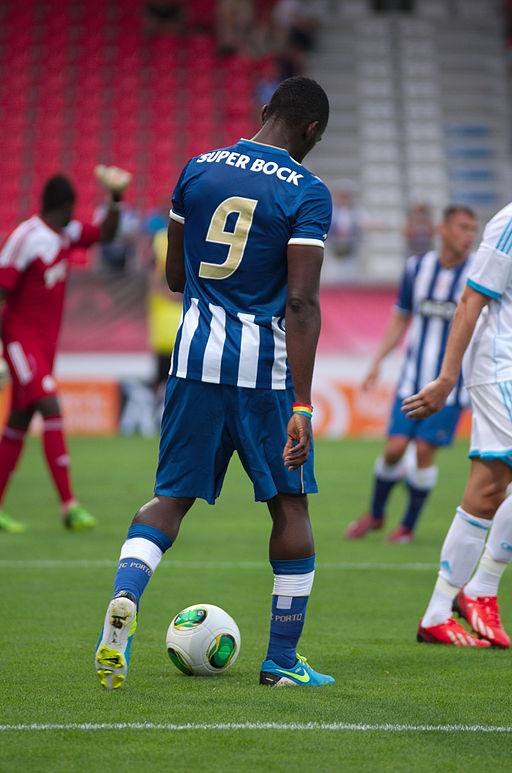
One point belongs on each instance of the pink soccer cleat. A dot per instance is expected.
(363, 525)
(401, 534)
(450, 632)
(483, 615)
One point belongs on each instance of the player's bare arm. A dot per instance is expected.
(392, 336)
(302, 331)
(115, 180)
(175, 262)
(433, 396)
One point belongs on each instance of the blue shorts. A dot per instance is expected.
(437, 429)
(203, 424)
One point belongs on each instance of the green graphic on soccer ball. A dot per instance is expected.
(190, 618)
(222, 650)
(179, 662)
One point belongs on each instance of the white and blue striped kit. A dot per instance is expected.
(232, 327)
(429, 293)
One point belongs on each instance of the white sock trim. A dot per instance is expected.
(388, 471)
(446, 588)
(489, 562)
(293, 584)
(480, 523)
(423, 478)
(143, 549)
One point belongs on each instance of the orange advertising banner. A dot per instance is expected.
(342, 409)
(88, 407)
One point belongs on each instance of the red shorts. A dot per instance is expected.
(31, 374)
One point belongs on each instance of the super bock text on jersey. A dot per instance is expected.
(247, 202)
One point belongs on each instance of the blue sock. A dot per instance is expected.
(417, 499)
(381, 491)
(134, 572)
(289, 611)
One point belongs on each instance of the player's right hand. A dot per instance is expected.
(371, 378)
(113, 178)
(428, 400)
(296, 450)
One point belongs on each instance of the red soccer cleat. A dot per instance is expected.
(483, 615)
(362, 526)
(401, 534)
(450, 632)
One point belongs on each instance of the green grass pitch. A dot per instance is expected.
(361, 623)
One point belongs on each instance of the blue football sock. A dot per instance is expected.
(417, 499)
(289, 611)
(134, 571)
(381, 491)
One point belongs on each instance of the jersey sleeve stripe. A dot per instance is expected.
(483, 290)
(504, 235)
(11, 252)
(301, 240)
(174, 216)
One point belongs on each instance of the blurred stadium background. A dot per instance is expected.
(420, 101)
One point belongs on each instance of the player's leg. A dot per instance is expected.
(420, 479)
(462, 548)
(11, 446)
(192, 462)
(477, 601)
(432, 433)
(292, 557)
(152, 532)
(59, 461)
(387, 472)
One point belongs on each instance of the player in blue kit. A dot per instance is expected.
(245, 246)
(431, 286)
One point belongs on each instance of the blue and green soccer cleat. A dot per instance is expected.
(76, 518)
(299, 675)
(9, 524)
(112, 656)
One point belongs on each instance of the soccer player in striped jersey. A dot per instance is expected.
(481, 532)
(431, 287)
(246, 238)
(33, 272)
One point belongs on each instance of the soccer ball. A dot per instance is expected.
(203, 640)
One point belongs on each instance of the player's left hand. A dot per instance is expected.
(113, 178)
(296, 450)
(428, 400)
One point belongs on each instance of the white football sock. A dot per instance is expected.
(439, 609)
(487, 577)
(461, 550)
(500, 535)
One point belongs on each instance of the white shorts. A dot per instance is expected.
(491, 427)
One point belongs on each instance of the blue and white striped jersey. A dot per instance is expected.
(429, 293)
(241, 206)
(488, 359)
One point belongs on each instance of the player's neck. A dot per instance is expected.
(450, 259)
(53, 220)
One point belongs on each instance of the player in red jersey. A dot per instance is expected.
(33, 271)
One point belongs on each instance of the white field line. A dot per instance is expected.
(85, 564)
(334, 726)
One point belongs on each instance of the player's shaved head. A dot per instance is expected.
(298, 101)
(57, 192)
